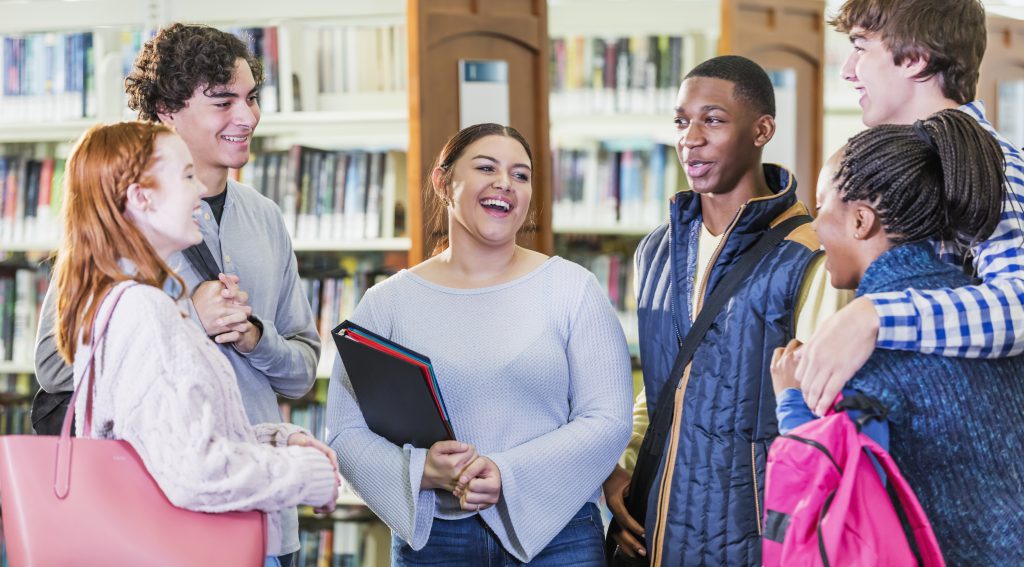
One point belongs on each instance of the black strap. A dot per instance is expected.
(649, 458)
(202, 260)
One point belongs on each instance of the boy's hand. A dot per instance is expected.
(217, 314)
(616, 488)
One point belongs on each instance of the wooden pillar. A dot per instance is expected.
(441, 32)
(782, 35)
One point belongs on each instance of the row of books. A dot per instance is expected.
(356, 59)
(333, 195)
(51, 76)
(344, 544)
(16, 392)
(324, 195)
(309, 412)
(47, 76)
(30, 195)
(16, 418)
(602, 75)
(333, 297)
(21, 293)
(613, 185)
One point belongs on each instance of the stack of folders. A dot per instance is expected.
(395, 388)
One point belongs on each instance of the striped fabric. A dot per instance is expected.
(979, 321)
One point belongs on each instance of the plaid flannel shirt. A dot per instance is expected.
(978, 321)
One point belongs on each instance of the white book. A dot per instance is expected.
(24, 316)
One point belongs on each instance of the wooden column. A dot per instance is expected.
(1003, 62)
(441, 32)
(786, 34)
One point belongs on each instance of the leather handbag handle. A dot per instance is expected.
(62, 480)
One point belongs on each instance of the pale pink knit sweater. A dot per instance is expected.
(164, 387)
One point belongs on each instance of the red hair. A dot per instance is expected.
(97, 234)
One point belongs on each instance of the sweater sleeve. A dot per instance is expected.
(168, 407)
(545, 481)
(387, 477)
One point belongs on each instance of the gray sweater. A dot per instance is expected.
(535, 374)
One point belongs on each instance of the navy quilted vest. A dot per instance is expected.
(706, 509)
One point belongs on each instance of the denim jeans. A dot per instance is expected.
(470, 543)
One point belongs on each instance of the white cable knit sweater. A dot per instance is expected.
(165, 388)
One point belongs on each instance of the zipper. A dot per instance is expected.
(666, 479)
(670, 461)
(757, 489)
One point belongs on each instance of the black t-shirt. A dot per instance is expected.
(217, 204)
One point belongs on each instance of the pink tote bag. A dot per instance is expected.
(81, 501)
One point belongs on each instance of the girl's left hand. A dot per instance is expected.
(783, 366)
(479, 485)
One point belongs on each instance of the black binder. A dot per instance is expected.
(396, 395)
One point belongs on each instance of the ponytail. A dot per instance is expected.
(940, 178)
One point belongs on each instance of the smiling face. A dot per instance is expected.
(885, 89)
(836, 225)
(718, 135)
(217, 122)
(489, 188)
(168, 217)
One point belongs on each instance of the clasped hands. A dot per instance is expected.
(224, 312)
(456, 467)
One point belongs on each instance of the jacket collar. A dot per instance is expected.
(897, 268)
(757, 214)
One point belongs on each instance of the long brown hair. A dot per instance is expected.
(451, 152)
(97, 234)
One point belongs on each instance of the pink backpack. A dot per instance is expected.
(826, 505)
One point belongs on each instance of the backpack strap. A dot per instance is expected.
(649, 459)
(916, 526)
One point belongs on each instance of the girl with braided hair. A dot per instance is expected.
(954, 424)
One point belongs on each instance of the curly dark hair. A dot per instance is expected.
(942, 177)
(179, 59)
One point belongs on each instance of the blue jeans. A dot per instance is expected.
(470, 543)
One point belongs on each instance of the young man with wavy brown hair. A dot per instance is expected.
(909, 60)
(204, 84)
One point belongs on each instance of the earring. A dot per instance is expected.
(446, 202)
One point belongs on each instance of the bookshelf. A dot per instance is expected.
(315, 97)
(615, 69)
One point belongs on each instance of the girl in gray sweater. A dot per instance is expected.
(535, 373)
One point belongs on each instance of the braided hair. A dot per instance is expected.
(941, 177)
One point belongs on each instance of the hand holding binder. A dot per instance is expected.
(395, 388)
